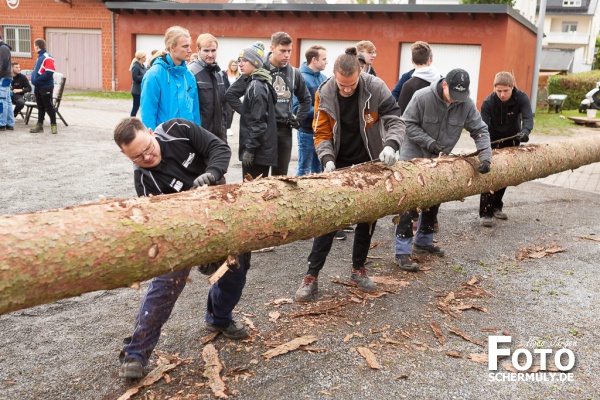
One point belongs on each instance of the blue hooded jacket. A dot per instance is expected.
(313, 80)
(168, 91)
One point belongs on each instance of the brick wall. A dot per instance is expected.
(43, 14)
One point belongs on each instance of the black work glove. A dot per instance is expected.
(484, 167)
(436, 148)
(206, 179)
(247, 158)
(523, 137)
(294, 123)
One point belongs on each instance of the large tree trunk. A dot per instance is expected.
(50, 255)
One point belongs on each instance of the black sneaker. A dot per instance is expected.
(340, 235)
(232, 330)
(10, 128)
(2, 128)
(131, 369)
(406, 263)
(430, 249)
(349, 229)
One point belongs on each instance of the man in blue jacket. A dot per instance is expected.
(316, 61)
(168, 89)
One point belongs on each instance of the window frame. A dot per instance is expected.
(15, 41)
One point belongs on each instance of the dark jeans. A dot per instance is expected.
(43, 98)
(489, 202)
(360, 248)
(284, 150)
(404, 232)
(18, 101)
(136, 105)
(229, 115)
(160, 299)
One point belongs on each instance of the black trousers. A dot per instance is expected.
(360, 249)
(428, 218)
(18, 101)
(256, 170)
(489, 202)
(284, 150)
(43, 98)
(136, 105)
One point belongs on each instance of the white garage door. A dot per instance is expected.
(446, 57)
(229, 48)
(334, 49)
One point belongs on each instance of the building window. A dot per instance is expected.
(568, 27)
(571, 3)
(19, 38)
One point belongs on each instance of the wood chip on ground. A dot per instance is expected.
(369, 357)
(289, 346)
(212, 371)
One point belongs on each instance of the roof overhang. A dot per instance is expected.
(299, 10)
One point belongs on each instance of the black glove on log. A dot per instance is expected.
(484, 167)
(247, 159)
(435, 148)
(523, 137)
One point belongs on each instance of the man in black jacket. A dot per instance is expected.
(258, 127)
(20, 85)
(507, 113)
(178, 156)
(211, 87)
(288, 82)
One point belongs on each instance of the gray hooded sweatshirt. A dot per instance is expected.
(429, 118)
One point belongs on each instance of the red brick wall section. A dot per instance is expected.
(43, 14)
(496, 36)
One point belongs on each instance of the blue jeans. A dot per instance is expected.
(308, 162)
(404, 232)
(160, 299)
(6, 110)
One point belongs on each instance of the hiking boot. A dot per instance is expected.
(406, 263)
(37, 128)
(340, 235)
(500, 215)
(54, 129)
(232, 330)
(307, 289)
(10, 128)
(486, 221)
(131, 369)
(429, 249)
(364, 282)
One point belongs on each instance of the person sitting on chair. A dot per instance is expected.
(20, 85)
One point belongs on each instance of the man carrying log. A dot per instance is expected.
(178, 156)
(435, 118)
(356, 120)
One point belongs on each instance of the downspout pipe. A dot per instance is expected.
(538, 55)
(114, 83)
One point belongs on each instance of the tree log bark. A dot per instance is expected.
(50, 255)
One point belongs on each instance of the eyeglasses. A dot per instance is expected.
(146, 152)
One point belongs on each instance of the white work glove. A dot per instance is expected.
(388, 156)
(330, 166)
(206, 179)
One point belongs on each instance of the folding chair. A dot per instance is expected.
(59, 87)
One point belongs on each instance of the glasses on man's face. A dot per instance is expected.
(374, 54)
(146, 152)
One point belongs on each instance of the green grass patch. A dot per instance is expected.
(550, 123)
(102, 95)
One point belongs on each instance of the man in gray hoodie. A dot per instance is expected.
(435, 118)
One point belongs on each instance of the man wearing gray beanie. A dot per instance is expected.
(258, 127)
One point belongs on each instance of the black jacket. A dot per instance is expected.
(137, 73)
(5, 61)
(187, 151)
(507, 119)
(258, 127)
(211, 93)
(408, 89)
(283, 79)
(21, 82)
